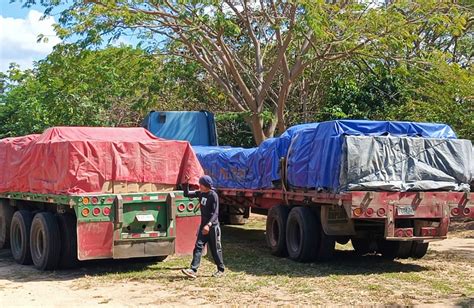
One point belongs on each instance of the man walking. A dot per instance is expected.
(209, 230)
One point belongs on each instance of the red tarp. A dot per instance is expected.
(73, 160)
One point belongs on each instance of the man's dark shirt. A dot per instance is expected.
(209, 205)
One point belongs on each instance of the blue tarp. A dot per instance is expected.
(197, 127)
(313, 150)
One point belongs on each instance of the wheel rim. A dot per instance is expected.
(39, 244)
(16, 239)
(275, 236)
(295, 236)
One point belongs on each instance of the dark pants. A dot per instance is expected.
(213, 239)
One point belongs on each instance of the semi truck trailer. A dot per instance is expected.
(75, 193)
(390, 188)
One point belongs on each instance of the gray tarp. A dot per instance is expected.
(405, 163)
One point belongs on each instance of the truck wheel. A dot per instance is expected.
(388, 249)
(301, 229)
(404, 250)
(342, 240)
(20, 236)
(324, 244)
(276, 230)
(418, 250)
(45, 241)
(362, 246)
(6, 215)
(68, 235)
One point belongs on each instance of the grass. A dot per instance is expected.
(254, 276)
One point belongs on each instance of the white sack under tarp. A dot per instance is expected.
(406, 164)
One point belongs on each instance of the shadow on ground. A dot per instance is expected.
(244, 251)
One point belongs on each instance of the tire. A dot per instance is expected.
(388, 249)
(324, 244)
(6, 215)
(343, 240)
(362, 246)
(419, 250)
(301, 229)
(404, 250)
(45, 244)
(276, 230)
(68, 236)
(20, 237)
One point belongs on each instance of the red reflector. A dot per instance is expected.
(106, 211)
(409, 232)
(455, 211)
(181, 207)
(128, 198)
(399, 233)
(145, 198)
(153, 234)
(109, 200)
(190, 206)
(369, 212)
(428, 231)
(381, 212)
(96, 211)
(466, 211)
(136, 235)
(95, 200)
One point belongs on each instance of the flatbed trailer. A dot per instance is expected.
(55, 231)
(305, 225)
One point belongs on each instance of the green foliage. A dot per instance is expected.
(409, 60)
(115, 86)
(233, 129)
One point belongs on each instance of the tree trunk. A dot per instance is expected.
(282, 98)
(256, 123)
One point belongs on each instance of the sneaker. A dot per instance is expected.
(189, 272)
(218, 274)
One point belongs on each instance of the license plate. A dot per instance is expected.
(405, 210)
(145, 217)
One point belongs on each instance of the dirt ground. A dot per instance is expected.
(443, 277)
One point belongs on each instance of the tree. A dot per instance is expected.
(256, 51)
(115, 86)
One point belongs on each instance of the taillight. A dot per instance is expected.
(85, 200)
(96, 211)
(106, 211)
(190, 206)
(455, 211)
(357, 212)
(95, 200)
(85, 212)
(369, 212)
(466, 211)
(181, 207)
(381, 212)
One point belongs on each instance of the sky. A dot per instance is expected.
(19, 30)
